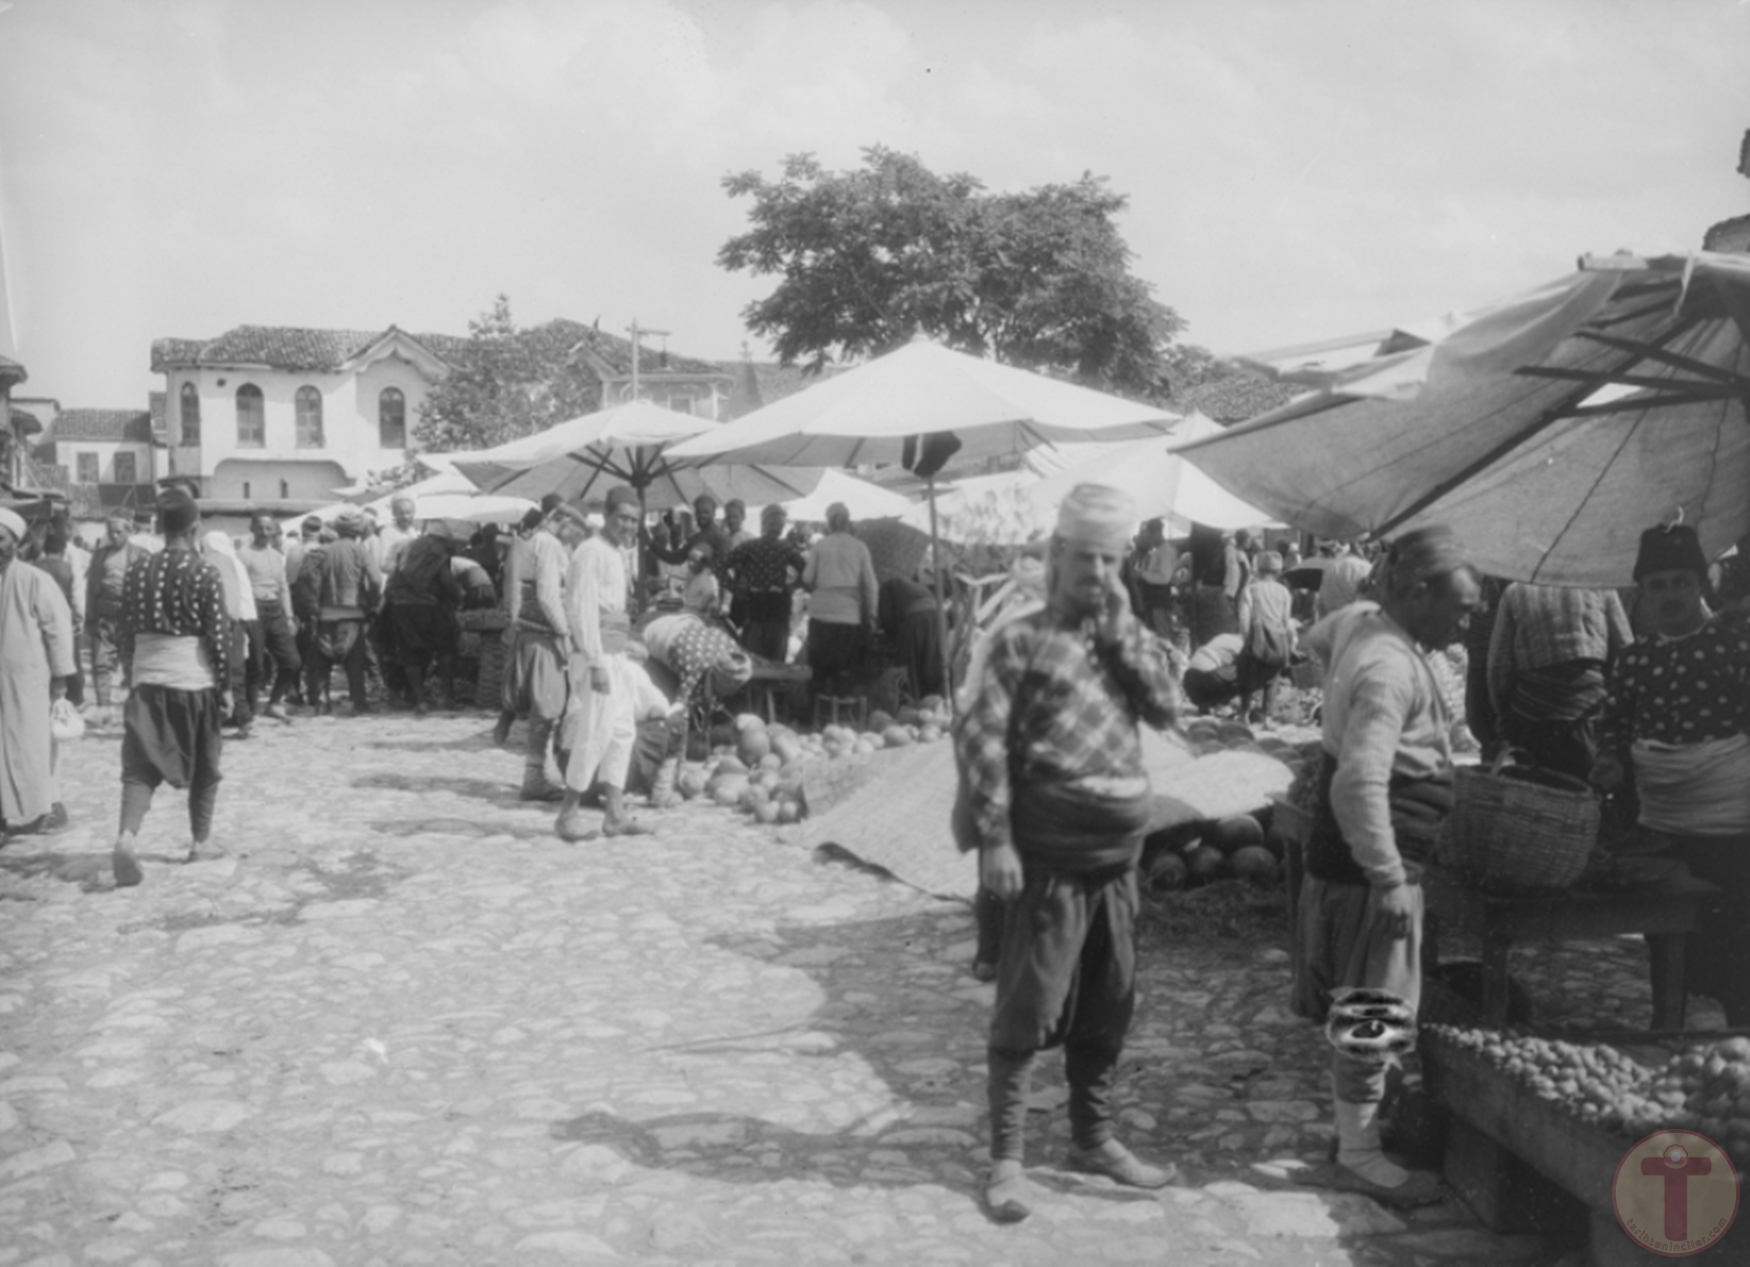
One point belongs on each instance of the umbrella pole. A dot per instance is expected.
(941, 607)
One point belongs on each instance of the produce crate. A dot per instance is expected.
(1536, 1138)
(1578, 1157)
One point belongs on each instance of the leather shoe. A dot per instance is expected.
(1119, 1164)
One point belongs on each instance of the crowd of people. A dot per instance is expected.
(1113, 628)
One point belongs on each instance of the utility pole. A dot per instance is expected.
(638, 332)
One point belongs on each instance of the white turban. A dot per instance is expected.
(13, 522)
(1095, 514)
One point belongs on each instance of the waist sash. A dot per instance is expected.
(1068, 828)
(1419, 808)
(1695, 789)
(177, 661)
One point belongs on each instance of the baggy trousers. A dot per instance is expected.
(1066, 974)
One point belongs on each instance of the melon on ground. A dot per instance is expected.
(1256, 864)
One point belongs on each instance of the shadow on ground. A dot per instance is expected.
(885, 1006)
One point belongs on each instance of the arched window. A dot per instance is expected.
(309, 409)
(391, 419)
(251, 418)
(190, 409)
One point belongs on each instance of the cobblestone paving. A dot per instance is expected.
(402, 1023)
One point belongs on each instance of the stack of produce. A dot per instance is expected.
(760, 773)
(1705, 1089)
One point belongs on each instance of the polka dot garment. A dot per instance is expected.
(1681, 690)
(176, 592)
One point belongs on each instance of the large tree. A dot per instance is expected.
(505, 382)
(870, 257)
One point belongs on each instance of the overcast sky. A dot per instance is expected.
(1295, 170)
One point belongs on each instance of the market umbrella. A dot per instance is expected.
(918, 407)
(628, 444)
(863, 499)
(1164, 484)
(1549, 430)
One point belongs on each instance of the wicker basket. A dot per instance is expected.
(489, 681)
(1518, 830)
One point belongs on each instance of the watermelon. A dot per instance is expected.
(1241, 831)
(1167, 872)
(896, 737)
(1256, 864)
(1205, 863)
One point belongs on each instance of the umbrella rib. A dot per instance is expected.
(1543, 422)
(1561, 409)
(1658, 352)
(1598, 379)
(1580, 505)
(1664, 400)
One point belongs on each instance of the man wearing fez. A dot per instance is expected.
(601, 725)
(1385, 788)
(37, 656)
(1678, 717)
(1057, 803)
(175, 641)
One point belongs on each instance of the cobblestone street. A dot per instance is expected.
(400, 1022)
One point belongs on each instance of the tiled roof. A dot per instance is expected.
(613, 354)
(1237, 397)
(282, 347)
(758, 383)
(103, 424)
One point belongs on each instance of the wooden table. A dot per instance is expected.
(1665, 919)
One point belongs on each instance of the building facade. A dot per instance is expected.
(270, 413)
(105, 460)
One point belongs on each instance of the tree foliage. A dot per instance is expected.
(870, 257)
(507, 382)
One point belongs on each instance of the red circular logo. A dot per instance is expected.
(1675, 1193)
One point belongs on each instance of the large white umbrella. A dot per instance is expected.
(1549, 431)
(863, 499)
(1164, 484)
(917, 407)
(629, 444)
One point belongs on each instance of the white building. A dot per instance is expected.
(266, 414)
(106, 459)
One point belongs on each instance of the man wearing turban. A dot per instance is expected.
(175, 638)
(36, 659)
(1057, 803)
(601, 725)
(1385, 789)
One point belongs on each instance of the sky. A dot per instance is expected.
(1295, 170)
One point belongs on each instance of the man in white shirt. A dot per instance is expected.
(601, 724)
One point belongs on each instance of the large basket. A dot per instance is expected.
(489, 681)
(1518, 830)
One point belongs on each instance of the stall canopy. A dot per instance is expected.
(919, 407)
(863, 499)
(1164, 484)
(628, 444)
(1548, 430)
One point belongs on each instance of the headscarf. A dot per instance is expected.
(1424, 554)
(1094, 514)
(13, 522)
(239, 594)
(350, 522)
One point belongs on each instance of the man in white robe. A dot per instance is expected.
(601, 727)
(36, 659)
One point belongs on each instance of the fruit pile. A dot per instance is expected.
(760, 773)
(1705, 1089)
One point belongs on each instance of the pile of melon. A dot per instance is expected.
(760, 772)
(1233, 848)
